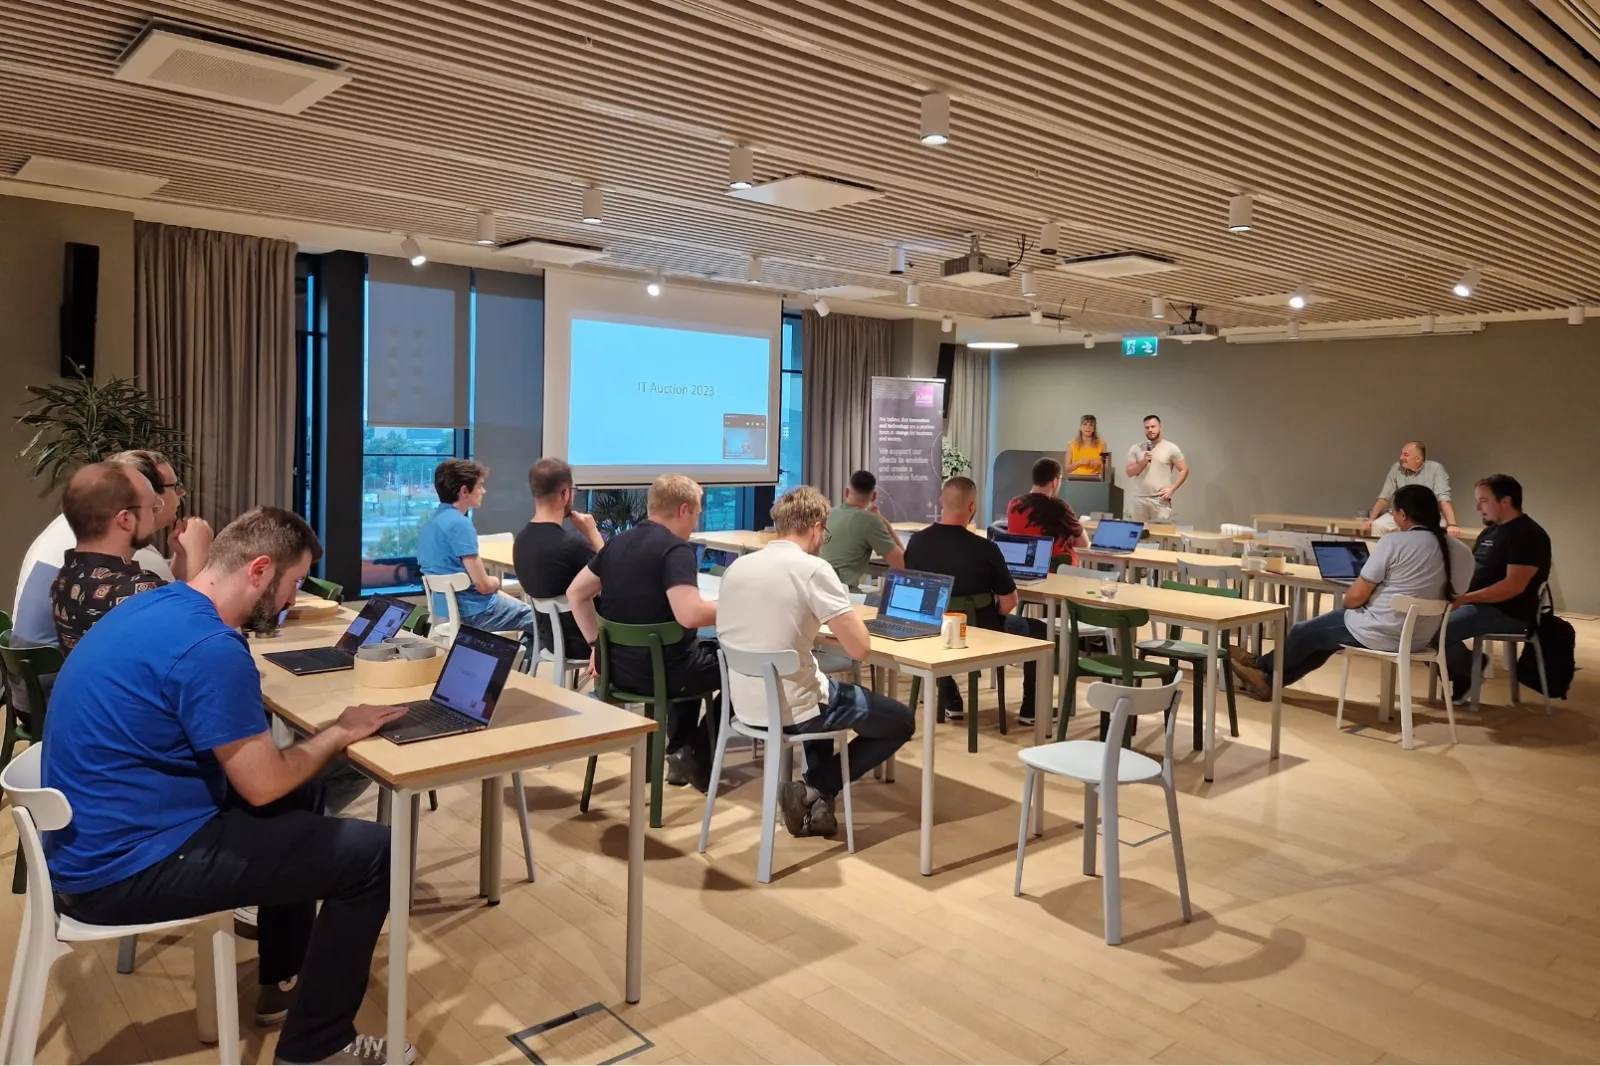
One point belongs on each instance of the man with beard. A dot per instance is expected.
(113, 512)
(184, 806)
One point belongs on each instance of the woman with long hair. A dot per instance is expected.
(1083, 454)
(1419, 559)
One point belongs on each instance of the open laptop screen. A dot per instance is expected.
(1026, 556)
(380, 619)
(913, 596)
(1338, 560)
(1118, 536)
(475, 673)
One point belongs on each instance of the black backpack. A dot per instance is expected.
(1558, 640)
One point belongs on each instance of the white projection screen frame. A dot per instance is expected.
(570, 296)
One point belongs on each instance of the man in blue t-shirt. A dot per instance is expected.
(447, 543)
(183, 805)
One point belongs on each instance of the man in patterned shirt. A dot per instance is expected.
(113, 512)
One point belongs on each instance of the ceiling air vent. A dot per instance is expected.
(1118, 265)
(42, 170)
(806, 192)
(547, 250)
(236, 72)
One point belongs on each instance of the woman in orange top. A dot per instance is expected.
(1083, 455)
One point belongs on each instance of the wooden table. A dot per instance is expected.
(740, 541)
(930, 660)
(1349, 527)
(497, 554)
(1209, 614)
(535, 723)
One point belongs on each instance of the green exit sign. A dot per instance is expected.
(1140, 345)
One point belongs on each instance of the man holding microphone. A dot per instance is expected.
(1158, 469)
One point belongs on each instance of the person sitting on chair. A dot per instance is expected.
(778, 599)
(548, 555)
(857, 530)
(647, 575)
(1413, 468)
(447, 543)
(183, 805)
(1042, 512)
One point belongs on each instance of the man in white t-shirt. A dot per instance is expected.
(1158, 469)
(778, 599)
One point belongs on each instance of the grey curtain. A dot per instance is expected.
(841, 355)
(968, 425)
(214, 342)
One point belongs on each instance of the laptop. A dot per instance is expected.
(1113, 535)
(912, 605)
(468, 688)
(1340, 561)
(380, 619)
(1027, 556)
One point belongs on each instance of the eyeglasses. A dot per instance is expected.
(175, 486)
(827, 534)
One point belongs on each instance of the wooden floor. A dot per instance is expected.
(1354, 902)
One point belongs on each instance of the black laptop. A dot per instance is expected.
(912, 605)
(1340, 561)
(380, 619)
(1027, 556)
(468, 688)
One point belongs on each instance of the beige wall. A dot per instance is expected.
(1312, 427)
(32, 233)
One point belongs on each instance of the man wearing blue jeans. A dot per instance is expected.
(778, 599)
(447, 543)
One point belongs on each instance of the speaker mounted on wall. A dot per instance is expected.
(80, 308)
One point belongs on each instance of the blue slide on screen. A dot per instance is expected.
(656, 396)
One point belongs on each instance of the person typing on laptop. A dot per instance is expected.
(1042, 512)
(978, 567)
(778, 599)
(1419, 560)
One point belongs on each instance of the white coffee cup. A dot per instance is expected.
(951, 633)
(1253, 562)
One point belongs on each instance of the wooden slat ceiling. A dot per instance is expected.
(1390, 144)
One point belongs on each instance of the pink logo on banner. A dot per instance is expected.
(924, 396)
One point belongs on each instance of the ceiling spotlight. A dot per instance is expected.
(1469, 282)
(1575, 315)
(413, 251)
(657, 283)
(1028, 288)
(752, 269)
(1088, 340)
(947, 324)
(820, 306)
(486, 227)
(897, 259)
(936, 119)
(1297, 299)
(1158, 307)
(992, 346)
(741, 167)
(1427, 323)
(1049, 238)
(1036, 316)
(1294, 331)
(913, 294)
(594, 206)
(1240, 210)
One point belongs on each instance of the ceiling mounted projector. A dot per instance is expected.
(975, 269)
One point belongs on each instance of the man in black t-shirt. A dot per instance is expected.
(548, 556)
(1513, 555)
(975, 562)
(645, 576)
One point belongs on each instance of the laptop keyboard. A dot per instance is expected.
(430, 714)
(323, 657)
(890, 628)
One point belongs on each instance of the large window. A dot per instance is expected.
(397, 496)
(735, 507)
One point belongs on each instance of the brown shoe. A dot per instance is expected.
(1254, 682)
(1241, 657)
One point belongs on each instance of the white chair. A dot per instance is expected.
(1512, 641)
(1402, 660)
(1209, 543)
(566, 669)
(46, 936)
(1095, 763)
(1224, 575)
(769, 666)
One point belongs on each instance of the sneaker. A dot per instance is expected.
(792, 805)
(1253, 682)
(677, 775)
(685, 768)
(1242, 657)
(1024, 717)
(244, 923)
(273, 1001)
(363, 1051)
(823, 823)
(956, 713)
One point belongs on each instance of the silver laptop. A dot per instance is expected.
(1027, 556)
(465, 695)
(380, 618)
(1340, 561)
(912, 605)
(1114, 535)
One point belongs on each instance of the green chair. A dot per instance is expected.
(970, 606)
(417, 621)
(326, 589)
(25, 666)
(654, 637)
(1175, 650)
(1121, 668)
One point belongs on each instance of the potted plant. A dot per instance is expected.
(80, 421)
(951, 461)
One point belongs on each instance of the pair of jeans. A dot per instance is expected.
(1474, 620)
(281, 858)
(504, 615)
(881, 726)
(1017, 625)
(1311, 643)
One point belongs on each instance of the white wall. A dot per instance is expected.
(1312, 427)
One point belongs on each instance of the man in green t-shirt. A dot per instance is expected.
(856, 530)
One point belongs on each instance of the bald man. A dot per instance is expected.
(1413, 468)
(975, 562)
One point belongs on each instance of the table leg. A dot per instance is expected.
(489, 835)
(1043, 703)
(637, 816)
(930, 715)
(399, 925)
(1212, 638)
(1280, 638)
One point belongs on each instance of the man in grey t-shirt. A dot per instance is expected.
(1413, 468)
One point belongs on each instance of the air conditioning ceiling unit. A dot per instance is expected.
(1118, 264)
(217, 67)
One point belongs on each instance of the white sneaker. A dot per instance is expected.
(364, 1051)
(244, 923)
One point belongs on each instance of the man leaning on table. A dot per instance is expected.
(1412, 468)
(1159, 470)
(778, 599)
(184, 806)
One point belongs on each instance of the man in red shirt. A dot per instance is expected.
(1041, 512)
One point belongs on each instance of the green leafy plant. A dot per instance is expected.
(951, 461)
(617, 510)
(81, 421)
